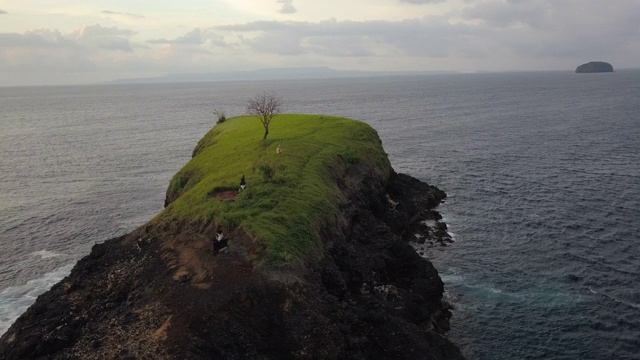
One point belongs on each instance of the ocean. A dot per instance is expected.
(542, 172)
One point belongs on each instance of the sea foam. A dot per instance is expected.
(15, 300)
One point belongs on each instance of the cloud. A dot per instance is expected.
(559, 29)
(109, 38)
(505, 14)
(422, 2)
(36, 39)
(416, 37)
(195, 37)
(476, 34)
(126, 14)
(98, 31)
(505, 34)
(88, 54)
(39, 50)
(287, 7)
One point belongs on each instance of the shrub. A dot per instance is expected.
(220, 114)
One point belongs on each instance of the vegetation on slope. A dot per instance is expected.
(291, 195)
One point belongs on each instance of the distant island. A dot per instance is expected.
(297, 73)
(594, 67)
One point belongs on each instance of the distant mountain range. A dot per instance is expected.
(271, 74)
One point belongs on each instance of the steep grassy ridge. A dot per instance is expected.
(290, 195)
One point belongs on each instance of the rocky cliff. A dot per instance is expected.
(161, 293)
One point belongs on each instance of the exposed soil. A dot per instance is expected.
(227, 195)
(160, 295)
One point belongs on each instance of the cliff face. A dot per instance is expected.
(160, 292)
(594, 67)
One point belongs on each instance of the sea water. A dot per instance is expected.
(542, 172)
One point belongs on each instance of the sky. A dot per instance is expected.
(46, 42)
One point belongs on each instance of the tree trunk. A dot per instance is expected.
(266, 132)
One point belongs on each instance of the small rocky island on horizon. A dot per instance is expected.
(594, 67)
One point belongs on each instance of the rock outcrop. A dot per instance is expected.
(594, 67)
(160, 293)
(165, 296)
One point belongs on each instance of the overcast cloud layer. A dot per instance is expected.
(91, 41)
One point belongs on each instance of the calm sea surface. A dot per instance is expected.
(542, 172)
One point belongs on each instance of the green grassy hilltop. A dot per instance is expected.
(291, 195)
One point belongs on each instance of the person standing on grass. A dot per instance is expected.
(243, 184)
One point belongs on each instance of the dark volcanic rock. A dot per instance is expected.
(163, 295)
(594, 67)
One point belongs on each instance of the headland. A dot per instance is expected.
(319, 264)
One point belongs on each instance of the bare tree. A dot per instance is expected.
(264, 106)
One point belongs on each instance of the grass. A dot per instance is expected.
(290, 196)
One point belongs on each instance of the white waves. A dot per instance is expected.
(16, 299)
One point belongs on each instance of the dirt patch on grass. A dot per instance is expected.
(189, 256)
(225, 195)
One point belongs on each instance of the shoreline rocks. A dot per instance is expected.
(162, 294)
